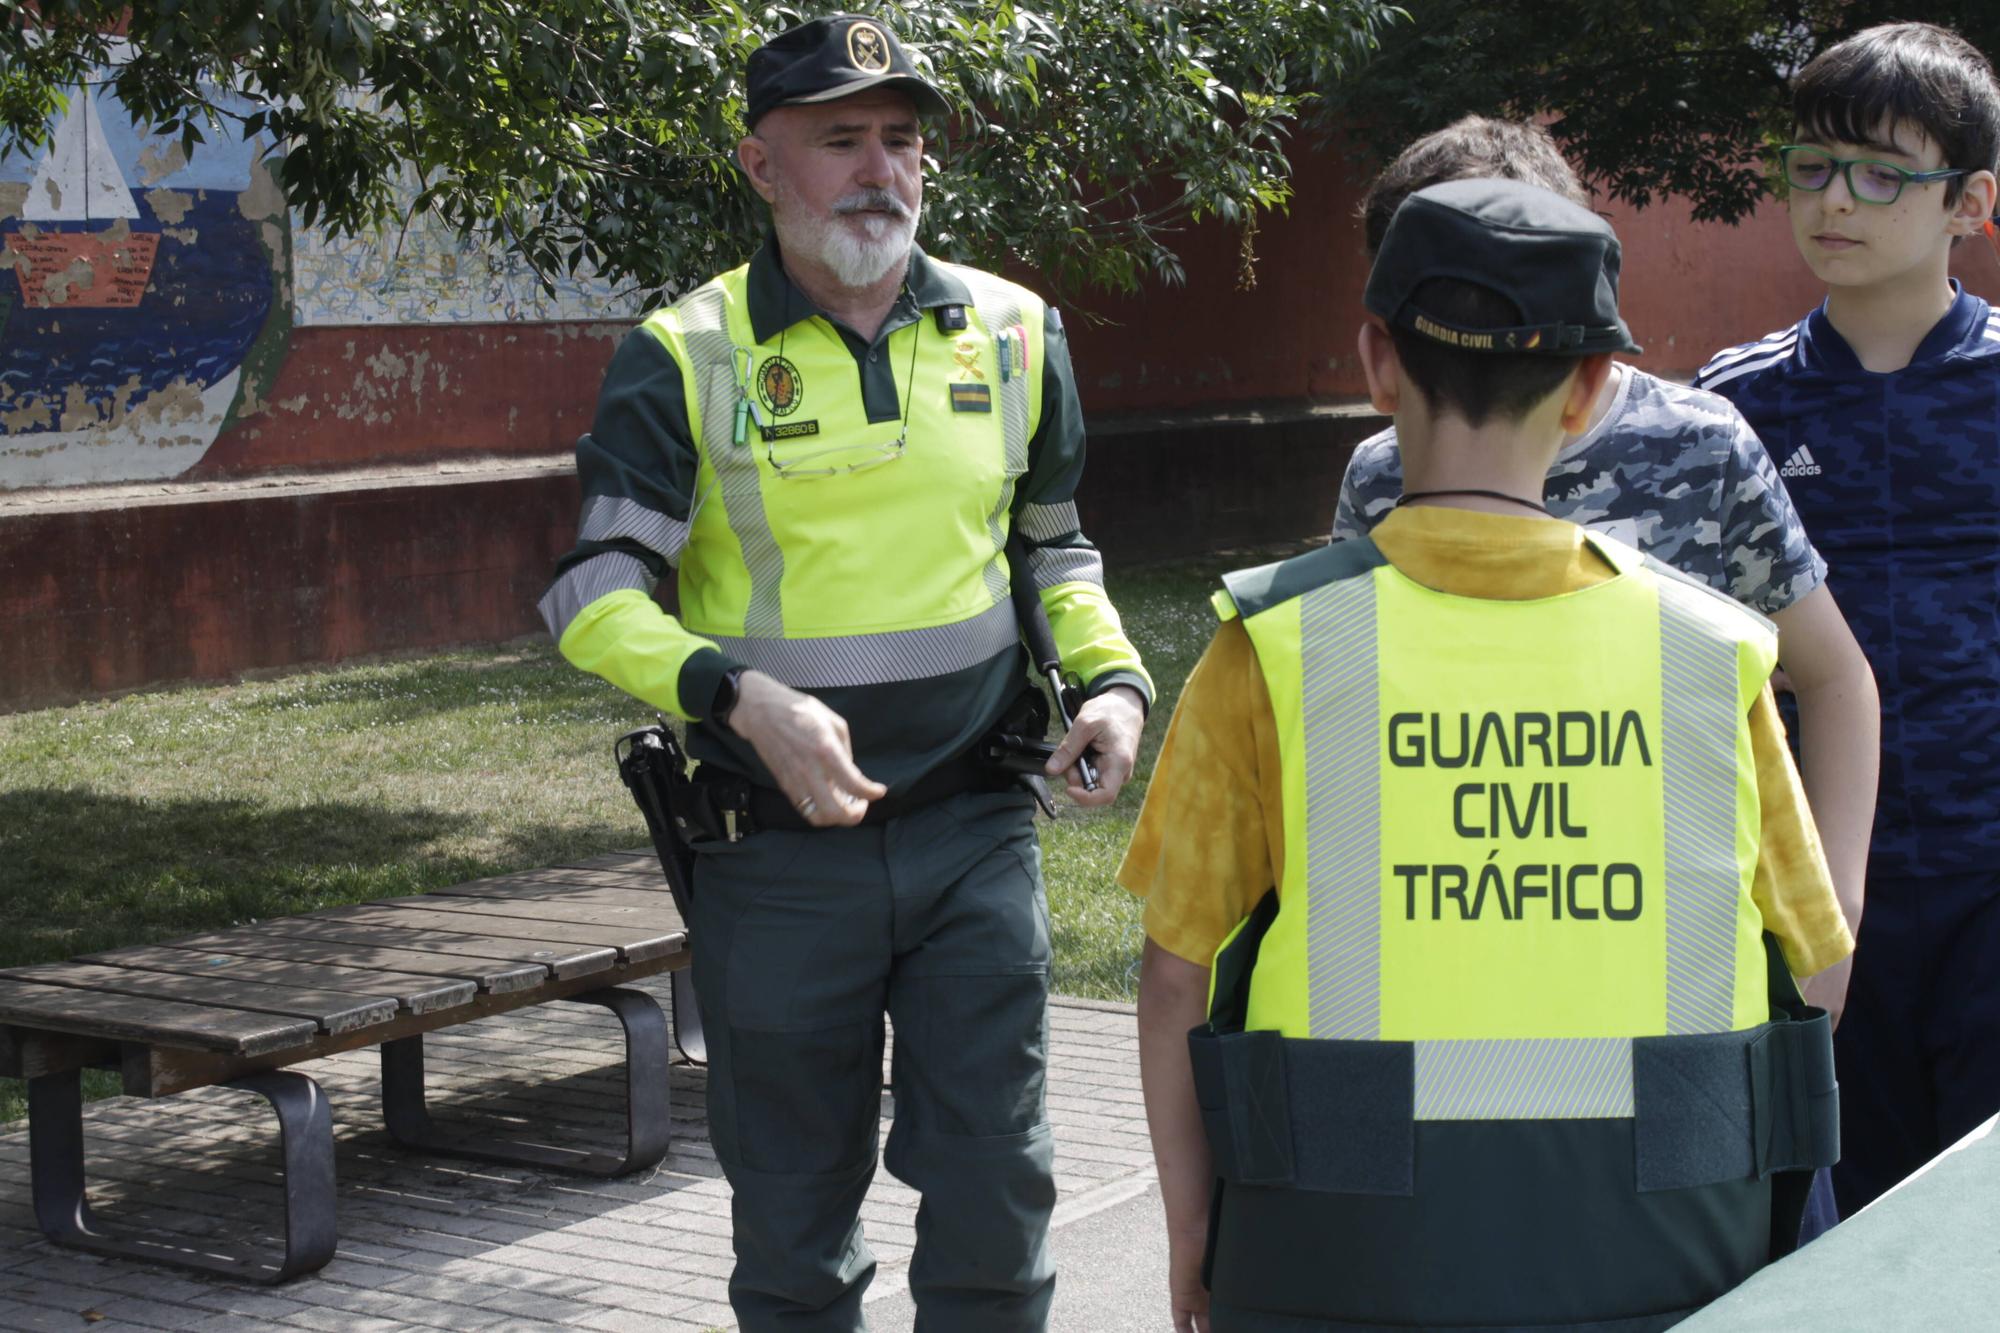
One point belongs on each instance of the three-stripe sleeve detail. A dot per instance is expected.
(1050, 566)
(585, 582)
(616, 518)
(1046, 523)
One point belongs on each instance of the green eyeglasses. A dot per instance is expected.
(1812, 169)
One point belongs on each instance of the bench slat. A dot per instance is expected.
(166, 1022)
(331, 1011)
(621, 919)
(647, 876)
(500, 891)
(634, 943)
(494, 976)
(565, 960)
(412, 994)
(622, 860)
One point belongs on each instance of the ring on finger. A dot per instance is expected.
(807, 805)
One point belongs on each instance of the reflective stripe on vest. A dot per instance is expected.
(1520, 854)
(819, 581)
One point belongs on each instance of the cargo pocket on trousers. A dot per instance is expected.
(806, 1103)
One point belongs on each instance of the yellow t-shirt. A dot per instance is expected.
(1211, 841)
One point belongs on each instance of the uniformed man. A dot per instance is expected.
(831, 446)
(1497, 824)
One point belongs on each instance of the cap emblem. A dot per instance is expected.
(867, 48)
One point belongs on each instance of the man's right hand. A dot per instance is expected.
(806, 746)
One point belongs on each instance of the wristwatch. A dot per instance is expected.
(727, 691)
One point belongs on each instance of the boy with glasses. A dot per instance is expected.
(1883, 409)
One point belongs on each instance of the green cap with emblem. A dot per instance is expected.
(831, 58)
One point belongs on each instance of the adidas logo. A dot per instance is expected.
(1800, 464)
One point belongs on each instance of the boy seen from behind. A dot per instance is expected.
(1485, 828)
(1679, 474)
(1883, 409)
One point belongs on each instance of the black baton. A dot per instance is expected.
(1034, 618)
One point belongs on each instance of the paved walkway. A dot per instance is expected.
(426, 1242)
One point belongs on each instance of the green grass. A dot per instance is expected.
(163, 814)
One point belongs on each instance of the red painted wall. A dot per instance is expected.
(1689, 289)
(202, 588)
(364, 397)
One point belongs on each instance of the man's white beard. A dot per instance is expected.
(864, 260)
(856, 258)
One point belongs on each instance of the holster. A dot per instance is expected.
(654, 768)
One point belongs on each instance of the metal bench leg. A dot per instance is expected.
(305, 1126)
(687, 1017)
(649, 1127)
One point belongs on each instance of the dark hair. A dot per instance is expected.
(1474, 385)
(1469, 148)
(1912, 73)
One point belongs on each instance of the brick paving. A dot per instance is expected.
(430, 1242)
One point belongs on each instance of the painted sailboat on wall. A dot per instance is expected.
(78, 248)
(149, 298)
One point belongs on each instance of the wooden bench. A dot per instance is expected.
(236, 1007)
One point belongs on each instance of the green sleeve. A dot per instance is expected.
(637, 468)
(1067, 570)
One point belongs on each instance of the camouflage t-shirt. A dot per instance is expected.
(1899, 476)
(1671, 470)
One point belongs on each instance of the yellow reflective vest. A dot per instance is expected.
(854, 553)
(1516, 914)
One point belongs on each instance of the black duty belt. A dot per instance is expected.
(762, 808)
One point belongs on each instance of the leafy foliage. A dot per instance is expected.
(1647, 97)
(600, 132)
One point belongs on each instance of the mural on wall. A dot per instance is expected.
(147, 292)
(147, 298)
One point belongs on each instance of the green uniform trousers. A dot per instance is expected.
(804, 940)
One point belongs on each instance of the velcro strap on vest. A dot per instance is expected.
(1734, 1105)
(1798, 1098)
(1239, 1082)
(1335, 1116)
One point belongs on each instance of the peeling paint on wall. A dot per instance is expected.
(426, 274)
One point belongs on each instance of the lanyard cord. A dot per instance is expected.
(1408, 496)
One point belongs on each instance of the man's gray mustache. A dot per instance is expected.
(872, 201)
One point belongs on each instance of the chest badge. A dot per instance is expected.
(971, 397)
(966, 352)
(779, 387)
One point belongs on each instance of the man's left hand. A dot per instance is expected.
(1108, 725)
